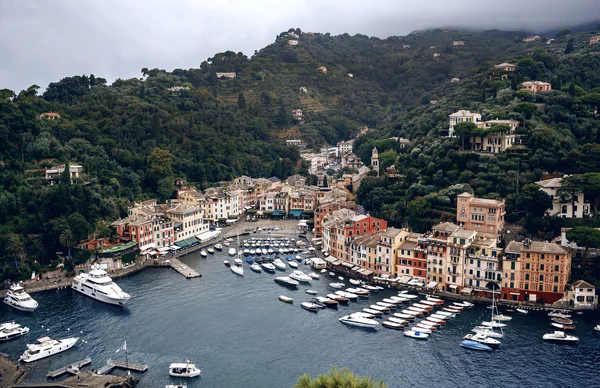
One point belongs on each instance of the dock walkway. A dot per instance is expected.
(178, 266)
(112, 364)
(71, 368)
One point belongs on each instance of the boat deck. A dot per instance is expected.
(112, 364)
(71, 368)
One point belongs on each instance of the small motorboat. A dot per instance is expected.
(348, 295)
(355, 320)
(564, 321)
(246, 252)
(451, 310)
(256, 268)
(337, 286)
(354, 282)
(226, 243)
(379, 308)
(501, 318)
(203, 253)
(237, 269)
(299, 259)
(390, 300)
(211, 251)
(286, 281)
(286, 299)
(11, 330)
(559, 314)
(332, 274)
(487, 331)
(311, 292)
(300, 276)
(425, 328)
(341, 278)
(323, 270)
(405, 295)
(249, 260)
(371, 288)
(473, 345)
(232, 251)
(404, 316)
(563, 327)
(359, 291)
(522, 311)
(560, 336)
(417, 334)
(377, 313)
(597, 327)
(331, 303)
(392, 325)
(389, 306)
(340, 299)
(293, 264)
(483, 339)
(362, 314)
(279, 264)
(237, 261)
(314, 276)
(495, 325)
(227, 263)
(310, 306)
(268, 267)
(218, 247)
(184, 369)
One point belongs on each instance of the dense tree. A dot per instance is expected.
(570, 46)
(336, 378)
(15, 248)
(563, 32)
(241, 101)
(67, 239)
(585, 237)
(534, 200)
(464, 130)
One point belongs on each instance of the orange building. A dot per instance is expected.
(535, 271)
(479, 214)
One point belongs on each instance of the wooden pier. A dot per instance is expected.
(112, 364)
(71, 368)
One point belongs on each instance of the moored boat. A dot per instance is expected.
(19, 299)
(47, 347)
(98, 285)
(300, 276)
(563, 327)
(501, 318)
(392, 325)
(256, 268)
(11, 330)
(597, 327)
(377, 313)
(340, 299)
(560, 336)
(203, 253)
(522, 311)
(286, 299)
(348, 295)
(293, 264)
(268, 267)
(473, 345)
(227, 263)
(218, 247)
(311, 292)
(487, 331)
(211, 251)
(183, 369)
(232, 251)
(493, 324)
(354, 282)
(328, 302)
(310, 306)
(359, 321)
(286, 281)
(417, 334)
(337, 286)
(314, 276)
(483, 339)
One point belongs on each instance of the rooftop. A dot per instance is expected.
(537, 247)
(446, 227)
(461, 233)
(550, 183)
(582, 284)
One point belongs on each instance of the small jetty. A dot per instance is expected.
(73, 368)
(178, 266)
(112, 364)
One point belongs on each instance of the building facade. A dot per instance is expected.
(479, 214)
(575, 207)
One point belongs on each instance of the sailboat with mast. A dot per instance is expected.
(236, 266)
(486, 334)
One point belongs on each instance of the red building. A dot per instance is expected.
(138, 229)
(361, 225)
(326, 209)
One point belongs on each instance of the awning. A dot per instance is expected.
(192, 240)
(206, 236)
(174, 247)
(355, 268)
(118, 248)
(431, 285)
(231, 221)
(349, 265)
(277, 213)
(164, 249)
(453, 287)
(467, 290)
(404, 279)
(367, 272)
(515, 293)
(295, 213)
(337, 262)
(182, 243)
(154, 253)
(330, 259)
(259, 213)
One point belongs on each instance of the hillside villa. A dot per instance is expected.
(536, 86)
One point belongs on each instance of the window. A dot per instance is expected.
(512, 265)
(526, 276)
(527, 265)
(541, 267)
(527, 286)
(555, 289)
(556, 268)
(556, 279)
(541, 278)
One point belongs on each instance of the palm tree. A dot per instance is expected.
(337, 378)
(15, 248)
(67, 239)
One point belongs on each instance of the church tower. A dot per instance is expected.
(375, 160)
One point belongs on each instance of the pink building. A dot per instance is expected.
(536, 86)
(479, 214)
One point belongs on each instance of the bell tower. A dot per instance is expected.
(375, 160)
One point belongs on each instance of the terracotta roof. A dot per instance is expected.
(446, 227)
(582, 284)
(537, 247)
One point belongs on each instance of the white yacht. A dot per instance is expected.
(337, 286)
(560, 336)
(501, 318)
(19, 299)
(483, 339)
(47, 347)
(183, 369)
(98, 285)
(300, 276)
(355, 320)
(232, 251)
(487, 331)
(11, 330)
(279, 264)
(237, 269)
(493, 324)
(218, 247)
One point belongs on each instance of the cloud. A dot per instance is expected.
(44, 41)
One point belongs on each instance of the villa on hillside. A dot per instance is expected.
(563, 207)
(293, 42)
(595, 39)
(303, 90)
(531, 39)
(53, 175)
(503, 70)
(458, 43)
(536, 86)
(323, 69)
(227, 75)
(495, 142)
(454, 80)
(297, 114)
(435, 55)
(49, 116)
(463, 116)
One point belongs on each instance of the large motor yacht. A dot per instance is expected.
(47, 347)
(19, 299)
(98, 285)
(11, 330)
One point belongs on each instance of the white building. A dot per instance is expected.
(53, 175)
(563, 207)
(583, 295)
(345, 147)
(188, 221)
(463, 116)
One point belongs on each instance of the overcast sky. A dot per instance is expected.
(42, 41)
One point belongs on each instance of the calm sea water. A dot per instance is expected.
(240, 335)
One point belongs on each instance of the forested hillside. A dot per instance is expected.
(135, 137)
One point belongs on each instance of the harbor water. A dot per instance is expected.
(240, 335)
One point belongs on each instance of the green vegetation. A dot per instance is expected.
(337, 378)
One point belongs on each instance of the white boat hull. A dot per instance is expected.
(20, 307)
(94, 294)
(66, 344)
